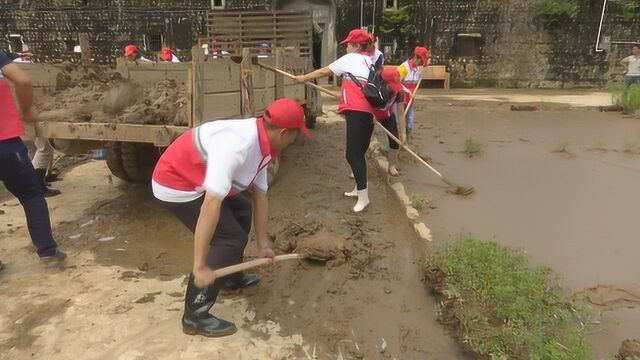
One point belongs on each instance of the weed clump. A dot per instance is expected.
(500, 306)
(473, 146)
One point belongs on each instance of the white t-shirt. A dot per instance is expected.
(174, 59)
(354, 63)
(376, 56)
(634, 65)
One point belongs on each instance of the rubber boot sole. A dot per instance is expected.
(194, 331)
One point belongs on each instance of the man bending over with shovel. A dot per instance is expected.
(201, 178)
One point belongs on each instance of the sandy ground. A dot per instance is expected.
(574, 210)
(119, 294)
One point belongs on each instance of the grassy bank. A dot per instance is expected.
(500, 306)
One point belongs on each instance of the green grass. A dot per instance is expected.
(556, 12)
(418, 201)
(473, 146)
(631, 144)
(628, 99)
(501, 306)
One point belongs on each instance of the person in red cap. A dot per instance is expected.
(392, 116)
(167, 56)
(355, 65)
(132, 53)
(410, 75)
(201, 179)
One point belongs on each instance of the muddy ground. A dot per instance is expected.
(119, 295)
(560, 183)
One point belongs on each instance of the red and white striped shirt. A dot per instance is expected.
(222, 157)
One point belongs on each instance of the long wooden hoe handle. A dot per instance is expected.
(413, 96)
(253, 263)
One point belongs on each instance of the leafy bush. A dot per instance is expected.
(556, 12)
(500, 306)
(630, 9)
(628, 99)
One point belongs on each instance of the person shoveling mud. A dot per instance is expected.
(200, 179)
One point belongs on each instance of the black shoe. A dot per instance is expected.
(57, 256)
(1, 266)
(41, 174)
(235, 283)
(52, 176)
(196, 319)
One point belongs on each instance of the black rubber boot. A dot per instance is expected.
(196, 319)
(42, 173)
(1, 266)
(237, 282)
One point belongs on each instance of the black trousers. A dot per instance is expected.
(19, 177)
(359, 130)
(392, 125)
(232, 233)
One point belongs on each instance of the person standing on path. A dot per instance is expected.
(631, 65)
(354, 106)
(410, 75)
(201, 179)
(16, 171)
(392, 116)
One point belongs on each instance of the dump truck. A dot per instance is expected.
(214, 88)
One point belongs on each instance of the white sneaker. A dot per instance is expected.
(363, 200)
(353, 193)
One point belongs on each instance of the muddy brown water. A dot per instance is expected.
(371, 303)
(575, 211)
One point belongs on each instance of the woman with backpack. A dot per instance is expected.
(392, 116)
(410, 75)
(355, 65)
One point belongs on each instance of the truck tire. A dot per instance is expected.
(132, 162)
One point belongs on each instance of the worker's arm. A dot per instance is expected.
(322, 72)
(260, 220)
(24, 91)
(205, 227)
(625, 64)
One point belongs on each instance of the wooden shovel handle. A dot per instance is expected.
(413, 95)
(253, 263)
(291, 76)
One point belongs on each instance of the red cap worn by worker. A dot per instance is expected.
(357, 36)
(288, 114)
(165, 54)
(392, 76)
(130, 50)
(423, 54)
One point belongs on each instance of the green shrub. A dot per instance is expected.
(628, 99)
(630, 9)
(500, 306)
(556, 12)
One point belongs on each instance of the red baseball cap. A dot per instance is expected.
(165, 54)
(392, 76)
(130, 50)
(357, 36)
(423, 53)
(286, 113)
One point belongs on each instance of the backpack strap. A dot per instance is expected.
(355, 80)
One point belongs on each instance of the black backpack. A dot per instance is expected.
(376, 90)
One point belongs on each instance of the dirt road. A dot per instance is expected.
(119, 295)
(560, 184)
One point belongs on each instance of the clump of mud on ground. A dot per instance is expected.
(102, 96)
(630, 349)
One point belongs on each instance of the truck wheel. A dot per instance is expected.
(133, 162)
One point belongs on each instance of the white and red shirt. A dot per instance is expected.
(351, 95)
(223, 157)
(410, 75)
(384, 114)
(10, 121)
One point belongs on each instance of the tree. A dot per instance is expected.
(396, 23)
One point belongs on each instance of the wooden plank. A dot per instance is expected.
(197, 64)
(159, 135)
(296, 92)
(263, 78)
(262, 98)
(246, 84)
(85, 48)
(279, 63)
(221, 106)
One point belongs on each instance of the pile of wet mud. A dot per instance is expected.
(333, 244)
(102, 96)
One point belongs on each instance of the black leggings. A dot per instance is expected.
(391, 125)
(359, 130)
(232, 232)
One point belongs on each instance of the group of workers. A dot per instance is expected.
(213, 178)
(132, 53)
